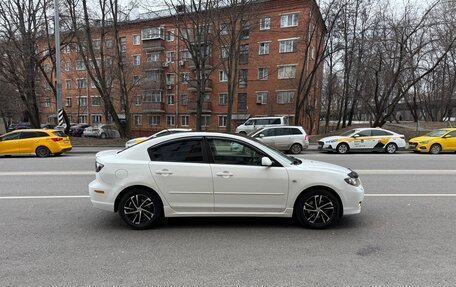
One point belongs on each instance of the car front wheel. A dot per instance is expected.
(317, 209)
(391, 148)
(342, 148)
(140, 209)
(435, 149)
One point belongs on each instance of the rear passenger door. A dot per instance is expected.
(28, 142)
(282, 138)
(362, 140)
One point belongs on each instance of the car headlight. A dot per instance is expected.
(425, 142)
(353, 179)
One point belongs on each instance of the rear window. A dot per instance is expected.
(59, 134)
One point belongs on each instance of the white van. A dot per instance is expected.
(253, 124)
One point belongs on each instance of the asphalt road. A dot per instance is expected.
(405, 236)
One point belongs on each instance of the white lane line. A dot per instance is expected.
(45, 197)
(29, 173)
(410, 195)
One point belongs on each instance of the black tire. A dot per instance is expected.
(342, 148)
(317, 209)
(149, 216)
(435, 149)
(42, 151)
(58, 154)
(391, 148)
(103, 136)
(296, 148)
(243, 133)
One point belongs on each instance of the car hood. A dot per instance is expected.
(422, 138)
(324, 166)
(331, 138)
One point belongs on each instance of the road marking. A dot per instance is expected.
(410, 195)
(30, 173)
(45, 197)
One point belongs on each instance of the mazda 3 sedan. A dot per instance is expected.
(216, 174)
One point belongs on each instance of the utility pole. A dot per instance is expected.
(57, 63)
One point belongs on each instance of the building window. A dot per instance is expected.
(263, 48)
(262, 98)
(245, 29)
(82, 83)
(223, 77)
(185, 55)
(153, 97)
(136, 40)
(244, 54)
(170, 79)
(222, 121)
(170, 56)
(82, 119)
(136, 80)
(184, 120)
(185, 33)
(67, 49)
(96, 44)
(170, 121)
(154, 120)
(136, 60)
(68, 84)
(123, 44)
(138, 100)
(205, 120)
(224, 53)
(152, 33)
(285, 97)
(109, 43)
(185, 77)
(170, 99)
(287, 72)
(288, 46)
(263, 73)
(184, 100)
(96, 101)
(224, 27)
(153, 56)
(67, 66)
(82, 102)
(243, 78)
(96, 119)
(289, 20)
(153, 75)
(170, 35)
(265, 23)
(68, 102)
(223, 99)
(138, 120)
(80, 66)
(47, 102)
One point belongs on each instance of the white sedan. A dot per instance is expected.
(364, 139)
(201, 174)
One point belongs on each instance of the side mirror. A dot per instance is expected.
(261, 135)
(356, 136)
(266, 161)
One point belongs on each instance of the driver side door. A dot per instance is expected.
(9, 143)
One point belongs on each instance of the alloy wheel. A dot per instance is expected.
(296, 148)
(391, 148)
(342, 148)
(435, 149)
(318, 209)
(139, 209)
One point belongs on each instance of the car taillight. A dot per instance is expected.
(306, 137)
(56, 139)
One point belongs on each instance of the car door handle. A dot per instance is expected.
(225, 174)
(164, 172)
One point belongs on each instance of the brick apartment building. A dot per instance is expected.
(161, 73)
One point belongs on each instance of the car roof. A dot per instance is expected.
(280, 127)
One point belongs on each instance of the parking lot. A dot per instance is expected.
(405, 234)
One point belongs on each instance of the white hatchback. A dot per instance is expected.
(215, 174)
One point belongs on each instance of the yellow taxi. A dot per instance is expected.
(435, 142)
(35, 141)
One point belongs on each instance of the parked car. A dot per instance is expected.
(158, 134)
(253, 124)
(200, 174)
(435, 142)
(47, 126)
(103, 131)
(364, 139)
(19, 126)
(78, 129)
(285, 138)
(42, 142)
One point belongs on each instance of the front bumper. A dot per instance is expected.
(417, 147)
(325, 147)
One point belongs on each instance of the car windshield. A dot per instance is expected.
(348, 133)
(436, 133)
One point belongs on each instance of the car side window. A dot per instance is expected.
(42, 134)
(28, 135)
(381, 133)
(275, 122)
(266, 133)
(366, 133)
(187, 150)
(452, 134)
(262, 122)
(282, 132)
(233, 152)
(249, 123)
(295, 131)
(13, 136)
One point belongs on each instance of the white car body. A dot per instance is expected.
(284, 138)
(364, 139)
(158, 134)
(219, 187)
(254, 124)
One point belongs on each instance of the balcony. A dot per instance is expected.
(192, 85)
(154, 65)
(207, 107)
(155, 107)
(154, 45)
(191, 63)
(148, 84)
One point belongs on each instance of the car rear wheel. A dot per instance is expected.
(342, 148)
(42, 151)
(296, 148)
(435, 149)
(103, 136)
(391, 148)
(317, 209)
(242, 133)
(140, 209)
